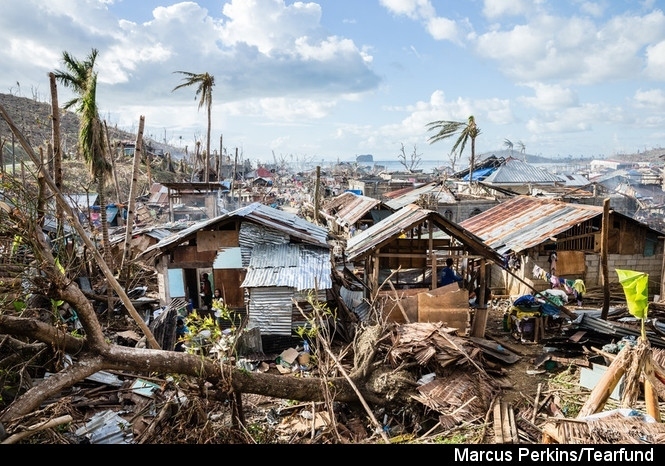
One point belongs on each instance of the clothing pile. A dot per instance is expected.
(576, 287)
(526, 309)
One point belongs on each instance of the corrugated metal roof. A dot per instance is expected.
(385, 230)
(348, 207)
(441, 192)
(291, 224)
(289, 265)
(405, 219)
(514, 171)
(525, 221)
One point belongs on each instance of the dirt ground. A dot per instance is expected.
(522, 378)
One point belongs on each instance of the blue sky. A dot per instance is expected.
(333, 79)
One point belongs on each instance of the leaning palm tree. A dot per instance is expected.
(522, 148)
(205, 83)
(509, 145)
(81, 78)
(467, 131)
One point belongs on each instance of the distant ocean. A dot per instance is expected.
(427, 166)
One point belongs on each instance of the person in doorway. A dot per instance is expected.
(206, 292)
(217, 306)
(552, 261)
(217, 296)
(448, 275)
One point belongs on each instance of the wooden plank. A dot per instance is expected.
(577, 336)
(508, 426)
(512, 425)
(495, 349)
(479, 323)
(498, 431)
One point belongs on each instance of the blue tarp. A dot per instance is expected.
(478, 175)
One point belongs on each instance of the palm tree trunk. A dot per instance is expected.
(207, 157)
(473, 160)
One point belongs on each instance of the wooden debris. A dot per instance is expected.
(505, 428)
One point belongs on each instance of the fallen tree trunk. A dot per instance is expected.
(225, 379)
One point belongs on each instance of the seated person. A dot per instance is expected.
(447, 275)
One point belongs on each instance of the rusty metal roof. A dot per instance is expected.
(405, 219)
(348, 207)
(438, 190)
(257, 213)
(525, 221)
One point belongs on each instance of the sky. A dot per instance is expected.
(333, 79)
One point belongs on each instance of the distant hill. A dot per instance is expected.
(652, 155)
(33, 118)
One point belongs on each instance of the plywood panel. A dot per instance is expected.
(228, 281)
(408, 300)
(451, 307)
(570, 263)
(213, 240)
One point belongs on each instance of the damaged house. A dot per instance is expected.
(349, 212)
(266, 262)
(397, 258)
(526, 230)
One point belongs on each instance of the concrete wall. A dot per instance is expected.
(503, 283)
(464, 210)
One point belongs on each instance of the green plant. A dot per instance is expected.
(261, 434)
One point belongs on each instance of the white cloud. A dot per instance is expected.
(652, 98)
(493, 9)
(655, 67)
(414, 9)
(573, 50)
(443, 29)
(270, 26)
(593, 8)
(549, 97)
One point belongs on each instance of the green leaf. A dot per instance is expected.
(636, 288)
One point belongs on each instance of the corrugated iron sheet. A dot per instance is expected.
(438, 190)
(593, 321)
(524, 222)
(270, 310)
(514, 171)
(107, 428)
(383, 231)
(348, 207)
(356, 302)
(290, 224)
(289, 265)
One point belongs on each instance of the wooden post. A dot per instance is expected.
(317, 195)
(606, 384)
(603, 259)
(480, 317)
(650, 393)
